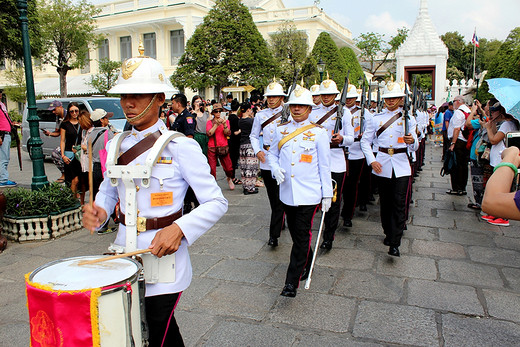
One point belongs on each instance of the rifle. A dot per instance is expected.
(406, 109)
(369, 95)
(362, 111)
(379, 108)
(285, 110)
(414, 94)
(341, 105)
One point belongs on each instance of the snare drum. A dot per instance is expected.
(89, 305)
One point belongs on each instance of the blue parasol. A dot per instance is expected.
(507, 91)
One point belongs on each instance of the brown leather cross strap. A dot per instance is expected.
(270, 120)
(155, 223)
(327, 115)
(138, 149)
(388, 123)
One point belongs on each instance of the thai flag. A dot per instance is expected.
(474, 40)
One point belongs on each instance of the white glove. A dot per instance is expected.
(279, 175)
(325, 204)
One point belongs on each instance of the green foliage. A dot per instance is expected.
(289, 49)
(11, 47)
(68, 31)
(452, 73)
(107, 76)
(15, 116)
(50, 199)
(226, 47)
(356, 72)
(17, 90)
(326, 49)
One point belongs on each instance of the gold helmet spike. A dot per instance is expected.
(328, 75)
(301, 83)
(274, 79)
(391, 78)
(140, 49)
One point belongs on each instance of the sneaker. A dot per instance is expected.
(8, 183)
(499, 221)
(487, 217)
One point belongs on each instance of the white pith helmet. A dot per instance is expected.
(301, 96)
(393, 90)
(328, 86)
(352, 91)
(315, 90)
(142, 75)
(373, 96)
(274, 89)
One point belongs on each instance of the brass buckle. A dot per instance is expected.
(141, 224)
(391, 151)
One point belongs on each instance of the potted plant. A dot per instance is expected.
(41, 214)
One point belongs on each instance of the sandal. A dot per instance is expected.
(60, 180)
(237, 181)
(474, 206)
(452, 192)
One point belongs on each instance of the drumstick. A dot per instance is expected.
(90, 178)
(117, 256)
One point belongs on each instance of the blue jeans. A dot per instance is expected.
(5, 150)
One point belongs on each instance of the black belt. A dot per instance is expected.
(144, 224)
(357, 139)
(393, 151)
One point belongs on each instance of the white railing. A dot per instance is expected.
(135, 5)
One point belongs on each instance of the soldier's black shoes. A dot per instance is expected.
(326, 245)
(289, 290)
(394, 251)
(363, 207)
(386, 242)
(347, 223)
(272, 242)
(248, 192)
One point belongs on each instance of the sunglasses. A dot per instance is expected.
(74, 111)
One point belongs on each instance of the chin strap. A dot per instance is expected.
(141, 115)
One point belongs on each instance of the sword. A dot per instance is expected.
(285, 110)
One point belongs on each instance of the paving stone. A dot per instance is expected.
(233, 231)
(235, 219)
(470, 331)
(436, 222)
(347, 259)
(503, 305)
(442, 196)
(193, 325)
(507, 242)
(396, 324)
(375, 244)
(15, 333)
(200, 263)
(246, 271)
(236, 248)
(235, 299)
(494, 256)
(17, 270)
(465, 237)
(468, 273)
(275, 255)
(343, 239)
(306, 307)
(366, 227)
(198, 289)
(229, 333)
(313, 340)
(420, 233)
(367, 285)
(203, 243)
(510, 232)
(513, 277)
(423, 195)
(444, 296)
(422, 211)
(407, 266)
(478, 226)
(438, 249)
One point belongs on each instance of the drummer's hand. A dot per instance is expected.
(167, 240)
(93, 216)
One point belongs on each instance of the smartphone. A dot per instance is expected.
(513, 139)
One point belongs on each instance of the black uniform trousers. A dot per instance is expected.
(273, 193)
(299, 221)
(459, 177)
(364, 187)
(351, 187)
(392, 199)
(332, 215)
(162, 326)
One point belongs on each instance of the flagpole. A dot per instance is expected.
(474, 51)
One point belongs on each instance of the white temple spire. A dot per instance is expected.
(424, 7)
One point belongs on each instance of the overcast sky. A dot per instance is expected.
(492, 18)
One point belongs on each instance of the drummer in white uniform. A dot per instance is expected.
(162, 227)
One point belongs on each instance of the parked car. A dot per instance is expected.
(48, 119)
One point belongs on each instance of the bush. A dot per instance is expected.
(51, 199)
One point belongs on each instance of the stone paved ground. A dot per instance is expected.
(457, 282)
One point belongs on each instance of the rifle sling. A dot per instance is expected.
(270, 120)
(327, 115)
(138, 149)
(388, 123)
(294, 134)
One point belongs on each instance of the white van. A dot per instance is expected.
(48, 119)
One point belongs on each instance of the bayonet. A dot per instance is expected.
(341, 105)
(362, 111)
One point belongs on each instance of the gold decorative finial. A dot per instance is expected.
(391, 78)
(301, 83)
(328, 75)
(274, 79)
(140, 49)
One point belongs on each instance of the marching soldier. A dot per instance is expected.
(300, 162)
(326, 116)
(262, 136)
(356, 160)
(151, 181)
(391, 164)
(315, 92)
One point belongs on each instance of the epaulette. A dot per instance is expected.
(284, 123)
(318, 125)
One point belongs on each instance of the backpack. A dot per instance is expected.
(450, 162)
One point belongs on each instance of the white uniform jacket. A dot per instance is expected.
(260, 137)
(337, 155)
(354, 150)
(306, 161)
(182, 164)
(392, 137)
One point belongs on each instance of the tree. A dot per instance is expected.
(226, 47)
(289, 49)
(376, 51)
(452, 73)
(352, 63)
(16, 91)
(326, 49)
(11, 47)
(68, 31)
(107, 76)
(460, 53)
